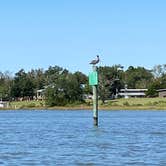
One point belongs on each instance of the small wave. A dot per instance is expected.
(158, 133)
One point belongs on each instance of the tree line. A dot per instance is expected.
(62, 86)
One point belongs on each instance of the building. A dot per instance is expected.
(126, 93)
(162, 92)
(40, 94)
(4, 104)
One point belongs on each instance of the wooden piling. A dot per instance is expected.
(95, 99)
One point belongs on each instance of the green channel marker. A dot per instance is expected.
(93, 81)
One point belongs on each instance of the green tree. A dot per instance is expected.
(138, 77)
(152, 89)
(23, 86)
(5, 85)
(158, 82)
(82, 79)
(66, 89)
(53, 73)
(159, 70)
(38, 78)
(110, 81)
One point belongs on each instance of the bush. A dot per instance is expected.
(152, 103)
(137, 105)
(54, 99)
(126, 103)
(31, 105)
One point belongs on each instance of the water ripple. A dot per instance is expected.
(69, 138)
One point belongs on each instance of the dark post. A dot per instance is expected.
(95, 100)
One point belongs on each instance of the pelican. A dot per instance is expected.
(95, 61)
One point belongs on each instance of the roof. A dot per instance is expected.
(161, 90)
(3, 101)
(132, 94)
(40, 90)
(133, 90)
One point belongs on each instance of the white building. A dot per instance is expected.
(40, 94)
(4, 104)
(126, 93)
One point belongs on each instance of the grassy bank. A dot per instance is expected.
(136, 104)
(118, 104)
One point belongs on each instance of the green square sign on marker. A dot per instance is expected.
(93, 78)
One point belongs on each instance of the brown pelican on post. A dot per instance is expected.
(95, 61)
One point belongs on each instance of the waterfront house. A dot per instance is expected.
(127, 93)
(161, 92)
(4, 104)
(40, 94)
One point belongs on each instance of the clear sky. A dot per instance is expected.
(69, 33)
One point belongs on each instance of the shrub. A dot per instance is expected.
(31, 105)
(126, 103)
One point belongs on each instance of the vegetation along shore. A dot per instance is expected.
(116, 104)
(58, 88)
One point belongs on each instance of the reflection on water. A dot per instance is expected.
(134, 138)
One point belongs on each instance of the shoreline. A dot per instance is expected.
(87, 108)
(117, 104)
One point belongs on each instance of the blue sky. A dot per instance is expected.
(69, 33)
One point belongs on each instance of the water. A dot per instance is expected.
(124, 138)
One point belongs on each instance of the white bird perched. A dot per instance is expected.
(95, 61)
